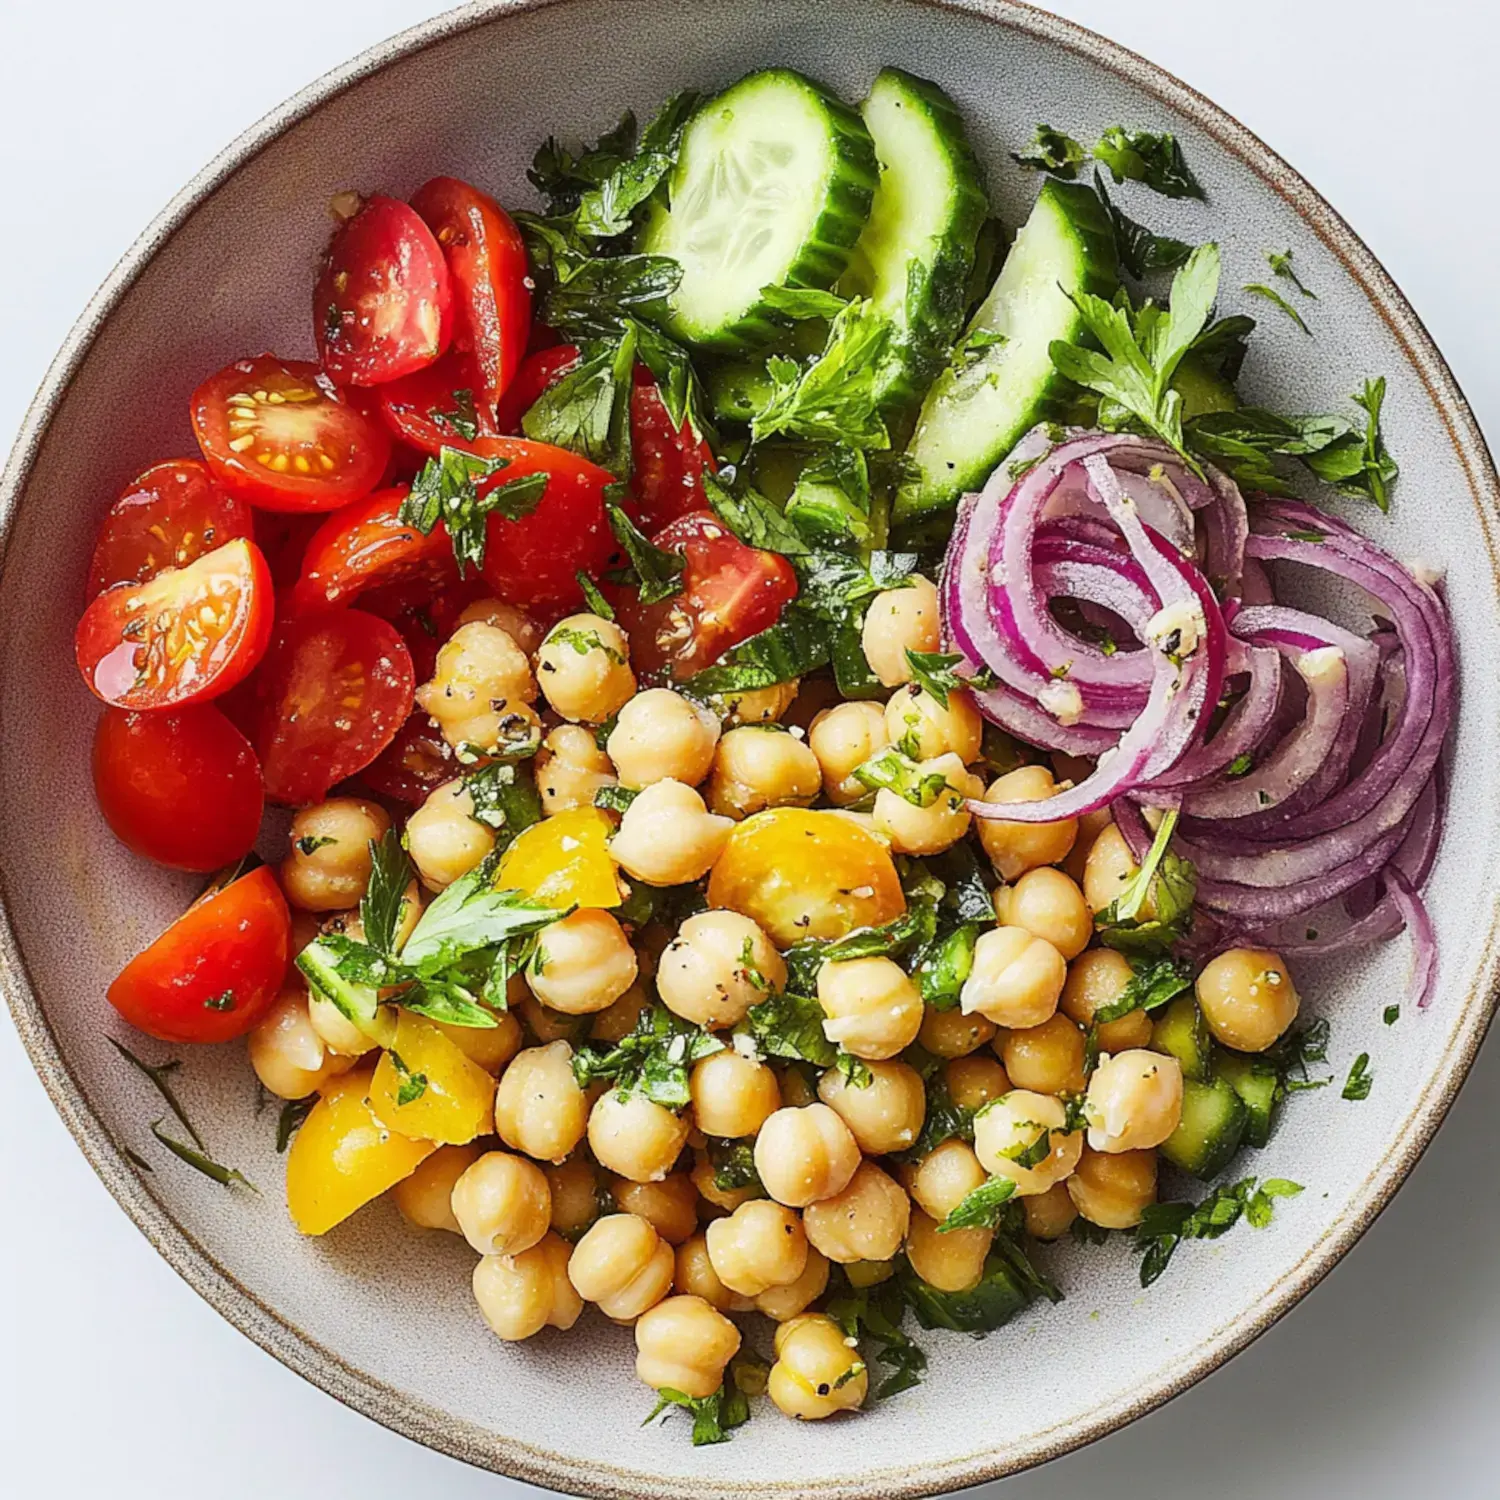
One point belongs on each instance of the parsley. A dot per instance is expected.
(596, 601)
(582, 641)
(933, 672)
(798, 643)
(1052, 151)
(971, 348)
(309, 844)
(504, 800)
(1359, 465)
(200, 1161)
(592, 297)
(1170, 881)
(890, 770)
(564, 177)
(658, 572)
(1141, 251)
(1241, 765)
(413, 1085)
(652, 1060)
(943, 1121)
(588, 410)
(158, 1074)
(448, 490)
(384, 901)
(945, 965)
(224, 1001)
(1008, 1286)
(790, 1025)
(1291, 1056)
(981, 1208)
(1357, 1085)
(1152, 983)
(462, 420)
(751, 517)
(293, 1113)
(1164, 1226)
(608, 208)
(714, 1417)
(801, 304)
(1271, 295)
(830, 503)
(734, 1165)
(1243, 443)
(1280, 263)
(614, 798)
(1148, 157)
(1391, 1015)
(873, 1317)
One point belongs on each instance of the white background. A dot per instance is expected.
(117, 1380)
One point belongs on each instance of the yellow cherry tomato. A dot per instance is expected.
(806, 874)
(449, 1099)
(564, 861)
(342, 1157)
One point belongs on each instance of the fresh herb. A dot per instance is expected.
(1152, 983)
(1280, 262)
(1170, 882)
(221, 1002)
(1357, 1085)
(588, 410)
(596, 601)
(981, 1208)
(447, 490)
(615, 799)
(582, 641)
(751, 517)
(830, 503)
(413, 1085)
(658, 573)
(1082, 1232)
(608, 208)
(714, 1417)
(798, 643)
(1261, 1207)
(1271, 295)
(890, 770)
(872, 1316)
(1149, 157)
(309, 844)
(1359, 465)
(200, 1161)
(1241, 765)
(1004, 1289)
(734, 1165)
(384, 901)
(1391, 1014)
(1292, 1055)
(933, 672)
(1243, 443)
(293, 1113)
(945, 965)
(505, 800)
(910, 931)
(564, 177)
(973, 346)
(1164, 1226)
(1142, 252)
(159, 1073)
(790, 1025)
(652, 1060)
(802, 304)
(462, 420)
(1052, 151)
(593, 297)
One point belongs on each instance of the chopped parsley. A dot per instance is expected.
(1271, 295)
(1357, 1085)
(200, 1161)
(1149, 157)
(309, 844)
(1164, 1226)
(1052, 151)
(981, 1208)
(658, 573)
(447, 490)
(653, 1060)
(1391, 1014)
(1280, 262)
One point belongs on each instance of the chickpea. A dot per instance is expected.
(886, 1114)
(1090, 826)
(661, 736)
(1047, 1059)
(695, 1277)
(1134, 1101)
(481, 691)
(799, 1085)
(623, 1264)
(923, 729)
(818, 1370)
(726, 1200)
(503, 1204)
(756, 768)
(1247, 998)
(520, 1295)
(1108, 869)
(761, 1244)
(733, 1095)
(668, 836)
(328, 867)
(717, 967)
(444, 838)
(805, 1154)
(842, 738)
(1098, 978)
(570, 768)
(760, 705)
(950, 1033)
(615, 1022)
(782, 1302)
(1049, 1215)
(873, 1010)
(867, 1221)
(286, 1051)
(426, 1197)
(583, 963)
(945, 1177)
(543, 1024)
(583, 668)
(1016, 979)
(338, 1033)
(974, 1080)
(539, 1108)
(951, 1261)
(1015, 848)
(1048, 905)
(516, 623)
(489, 1046)
(670, 1206)
(1113, 1190)
(574, 1186)
(684, 1344)
(634, 1137)
(1012, 1126)
(929, 830)
(898, 621)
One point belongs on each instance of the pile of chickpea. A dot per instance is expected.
(674, 1253)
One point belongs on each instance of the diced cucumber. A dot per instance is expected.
(1210, 1131)
(1255, 1081)
(977, 410)
(917, 250)
(737, 389)
(1180, 1031)
(772, 187)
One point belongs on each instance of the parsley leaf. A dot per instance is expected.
(413, 1085)
(591, 298)
(1152, 983)
(1271, 295)
(381, 906)
(981, 1208)
(293, 1113)
(596, 601)
(1280, 263)
(873, 1316)
(200, 1161)
(945, 965)
(802, 304)
(733, 1164)
(1170, 881)
(308, 844)
(1292, 1054)
(1261, 1206)
(1359, 465)
(751, 517)
(588, 410)
(658, 572)
(462, 421)
(1357, 1085)
(714, 1417)
(1164, 1226)
(1141, 251)
(798, 643)
(653, 1060)
(564, 177)
(830, 503)
(1052, 151)
(1391, 1014)
(1243, 443)
(890, 770)
(1148, 157)
(608, 209)
(933, 672)
(448, 490)
(504, 799)
(1005, 1289)
(790, 1025)
(159, 1073)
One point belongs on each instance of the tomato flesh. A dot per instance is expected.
(413, 765)
(181, 788)
(537, 375)
(215, 971)
(439, 406)
(181, 637)
(667, 461)
(334, 689)
(275, 433)
(383, 306)
(168, 517)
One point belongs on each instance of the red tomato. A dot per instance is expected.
(215, 971)
(487, 258)
(275, 433)
(181, 788)
(332, 692)
(540, 372)
(282, 536)
(415, 763)
(730, 592)
(367, 546)
(383, 305)
(167, 518)
(184, 636)
(422, 409)
(667, 461)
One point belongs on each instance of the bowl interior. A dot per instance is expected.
(383, 1316)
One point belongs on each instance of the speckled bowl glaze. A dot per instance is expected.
(382, 1317)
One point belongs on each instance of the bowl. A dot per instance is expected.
(381, 1317)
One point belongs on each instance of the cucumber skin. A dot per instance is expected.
(1181, 1032)
(1212, 1126)
(1257, 1086)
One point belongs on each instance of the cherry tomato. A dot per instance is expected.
(330, 696)
(383, 305)
(439, 406)
(729, 593)
(539, 373)
(167, 518)
(215, 971)
(487, 259)
(667, 461)
(282, 536)
(181, 788)
(414, 764)
(275, 433)
(184, 636)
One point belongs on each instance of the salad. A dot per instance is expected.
(803, 784)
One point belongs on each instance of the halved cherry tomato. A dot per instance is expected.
(438, 406)
(282, 536)
(275, 433)
(383, 305)
(184, 636)
(487, 258)
(413, 765)
(330, 696)
(367, 546)
(215, 971)
(538, 374)
(167, 518)
(181, 788)
(729, 593)
(667, 461)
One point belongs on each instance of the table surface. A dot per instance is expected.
(1384, 1382)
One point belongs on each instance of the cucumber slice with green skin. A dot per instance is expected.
(772, 187)
(1212, 1127)
(974, 416)
(737, 389)
(1180, 1031)
(917, 251)
(1257, 1085)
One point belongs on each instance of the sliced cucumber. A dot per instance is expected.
(914, 258)
(1210, 1131)
(772, 187)
(1256, 1083)
(1180, 1031)
(975, 413)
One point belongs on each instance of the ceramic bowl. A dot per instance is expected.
(382, 1317)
